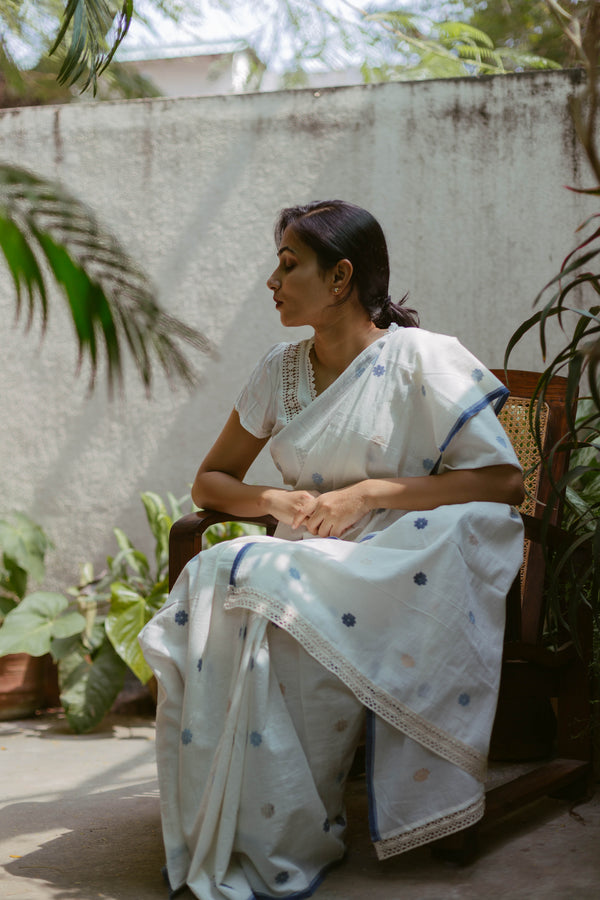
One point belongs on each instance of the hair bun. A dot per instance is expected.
(386, 312)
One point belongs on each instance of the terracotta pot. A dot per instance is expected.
(22, 685)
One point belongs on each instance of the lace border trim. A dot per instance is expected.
(310, 372)
(383, 704)
(431, 831)
(291, 380)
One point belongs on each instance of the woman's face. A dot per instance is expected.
(302, 293)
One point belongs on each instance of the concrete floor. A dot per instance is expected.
(79, 819)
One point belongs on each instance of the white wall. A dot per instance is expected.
(466, 176)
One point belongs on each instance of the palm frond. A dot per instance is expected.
(111, 302)
(96, 28)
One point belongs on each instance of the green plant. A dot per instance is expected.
(227, 531)
(23, 547)
(46, 231)
(569, 301)
(92, 632)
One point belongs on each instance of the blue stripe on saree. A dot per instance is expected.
(238, 561)
(370, 768)
(499, 395)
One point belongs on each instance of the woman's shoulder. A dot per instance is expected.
(442, 360)
(417, 345)
(278, 352)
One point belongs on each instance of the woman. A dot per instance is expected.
(380, 596)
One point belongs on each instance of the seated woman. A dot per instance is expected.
(381, 595)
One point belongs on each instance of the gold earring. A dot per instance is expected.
(336, 290)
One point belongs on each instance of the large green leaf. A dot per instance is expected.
(110, 300)
(90, 685)
(160, 523)
(129, 556)
(24, 542)
(6, 605)
(129, 612)
(36, 621)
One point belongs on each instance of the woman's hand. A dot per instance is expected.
(335, 512)
(290, 507)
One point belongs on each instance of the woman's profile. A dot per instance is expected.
(380, 599)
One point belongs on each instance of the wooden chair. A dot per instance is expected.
(544, 706)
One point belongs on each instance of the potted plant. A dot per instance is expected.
(91, 631)
(23, 546)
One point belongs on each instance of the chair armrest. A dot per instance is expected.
(185, 538)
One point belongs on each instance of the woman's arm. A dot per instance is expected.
(219, 481)
(336, 511)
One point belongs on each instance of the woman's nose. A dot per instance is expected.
(273, 282)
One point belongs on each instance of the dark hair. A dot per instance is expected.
(338, 230)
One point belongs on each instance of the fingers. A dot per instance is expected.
(305, 506)
(324, 524)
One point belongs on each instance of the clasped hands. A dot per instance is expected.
(323, 515)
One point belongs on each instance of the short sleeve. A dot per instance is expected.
(460, 402)
(480, 442)
(257, 402)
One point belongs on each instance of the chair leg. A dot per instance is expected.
(576, 791)
(460, 849)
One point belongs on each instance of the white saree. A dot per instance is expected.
(269, 650)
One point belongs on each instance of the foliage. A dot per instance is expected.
(448, 49)
(110, 301)
(51, 50)
(89, 26)
(23, 547)
(569, 301)
(227, 531)
(386, 41)
(39, 620)
(77, 40)
(525, 26)
(92, 633)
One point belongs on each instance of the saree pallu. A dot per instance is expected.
(270, 650)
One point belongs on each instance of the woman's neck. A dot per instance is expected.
(335, 348)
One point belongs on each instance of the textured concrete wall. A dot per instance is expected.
(467, 178)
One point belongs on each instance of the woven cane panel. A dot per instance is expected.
(515, 421)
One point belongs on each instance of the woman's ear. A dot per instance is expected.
(341, 275)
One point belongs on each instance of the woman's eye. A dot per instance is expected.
(288, 266)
